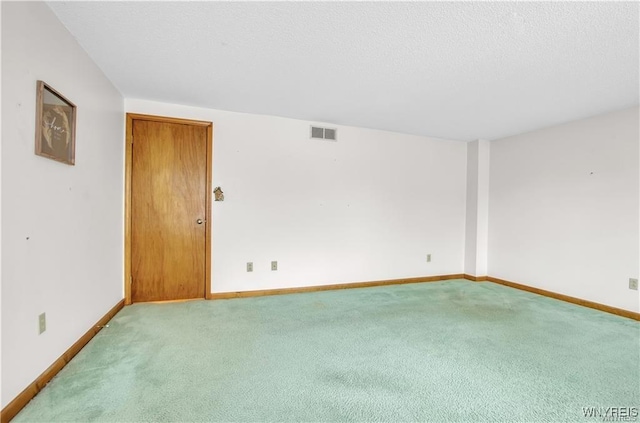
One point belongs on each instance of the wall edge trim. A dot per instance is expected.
(585, 303)
(475, 278)
(23, 398)
(332, 287)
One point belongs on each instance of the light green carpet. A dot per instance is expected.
(446, 351)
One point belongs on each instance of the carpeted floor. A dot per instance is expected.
(445, 351)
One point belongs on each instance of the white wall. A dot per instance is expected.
(484, 165)
(564, 207)
(477, 215)
(368, 207)
(471, 216)
(62, 225)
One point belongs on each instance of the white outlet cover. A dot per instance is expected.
(42, 323)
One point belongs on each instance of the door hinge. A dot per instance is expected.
(130, 280)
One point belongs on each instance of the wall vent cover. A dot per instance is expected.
(329, 134)
(319, 133)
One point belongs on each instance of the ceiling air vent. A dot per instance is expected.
(324, 133)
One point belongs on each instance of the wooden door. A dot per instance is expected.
(168, 210)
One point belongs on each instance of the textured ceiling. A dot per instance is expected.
(451, 70)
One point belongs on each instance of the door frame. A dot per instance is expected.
(127, 196)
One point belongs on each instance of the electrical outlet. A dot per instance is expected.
(274, 265)
(42, 323)
(249, 266)
(428, 258)
(633, 283)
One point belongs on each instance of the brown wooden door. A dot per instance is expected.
(168, 211)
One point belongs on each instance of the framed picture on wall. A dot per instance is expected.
(55, 125)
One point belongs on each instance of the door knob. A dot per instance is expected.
(199, 221)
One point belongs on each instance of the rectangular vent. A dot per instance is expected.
(329, 134)
(324, 133)
(317, 132)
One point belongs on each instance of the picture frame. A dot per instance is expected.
(55, 125)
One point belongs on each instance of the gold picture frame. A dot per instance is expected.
(55, 125)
